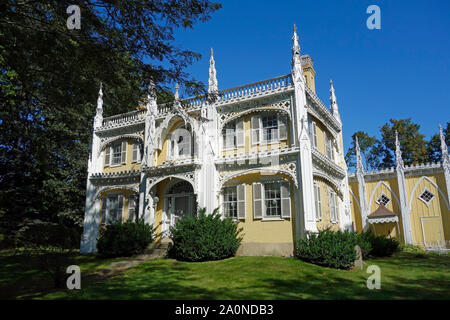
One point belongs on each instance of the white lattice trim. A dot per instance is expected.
(289, 169)
(102, 190)
(382, 219)
(107, 141)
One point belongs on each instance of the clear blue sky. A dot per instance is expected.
(401, 71)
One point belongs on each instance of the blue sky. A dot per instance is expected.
(401, 71)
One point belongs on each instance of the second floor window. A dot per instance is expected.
(180, 144)
(233, 134)
(329, 146)
(116, 153)
(268, 128)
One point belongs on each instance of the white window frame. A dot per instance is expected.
(317, 202)
(329, 146)
(229, 132)
(381, 195)
(260, 130)
(132, 208)
(431, 199)
(105, 212)
(225, 201)
(282, 200)
(313, 133)
(136, 153)
(334, 208)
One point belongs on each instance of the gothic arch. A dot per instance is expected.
(241, 114)
(167, 124)
(259, 170)
(121, 137)
(376, 188)
(333, 184)
(434, 184)
(99, 192)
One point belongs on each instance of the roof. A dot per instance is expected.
(382, 211)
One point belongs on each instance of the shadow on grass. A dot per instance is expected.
(403, 276)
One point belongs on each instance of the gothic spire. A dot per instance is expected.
(100, 101)
(151, 98)
(297, 70)
(398, 152)
(212, 81)
(359, 164)
(444, 148)
(333, 102)
(177, 94)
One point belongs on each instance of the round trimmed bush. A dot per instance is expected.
(334, 249)
(205, 237)
(124, 239)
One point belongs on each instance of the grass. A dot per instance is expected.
(403, 276)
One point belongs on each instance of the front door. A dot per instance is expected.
(178, 206)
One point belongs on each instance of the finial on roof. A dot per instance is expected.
(177, 94)
(213, 85)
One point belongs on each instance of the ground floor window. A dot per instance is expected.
(230, 202)
(112, 209)
(271, 199)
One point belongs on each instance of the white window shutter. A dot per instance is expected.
(258, 200)
(256, 129)
(124, 152)
(107, 155)
(120, 208)
(103, 211)
(240, 133)
(285, 200)
(318, 202)
(131, 208)
(241, 201)
(135, 152)
(282, 128)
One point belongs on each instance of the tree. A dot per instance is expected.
(49, 78)
(370, 151)
(412, 143)
(434, 145)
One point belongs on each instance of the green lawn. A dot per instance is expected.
(403, 276)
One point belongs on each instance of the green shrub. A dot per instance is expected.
(334, 249)
(123, 239)
(205, 237)
(411, 248)
(381, 245)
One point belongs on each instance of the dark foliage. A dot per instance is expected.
(205, 237)
(49, 79)
(381, 245)
(124, 239)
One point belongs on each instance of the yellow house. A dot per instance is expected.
(268, 154)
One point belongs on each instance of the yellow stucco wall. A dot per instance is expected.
(436, 208)
(256, 230)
